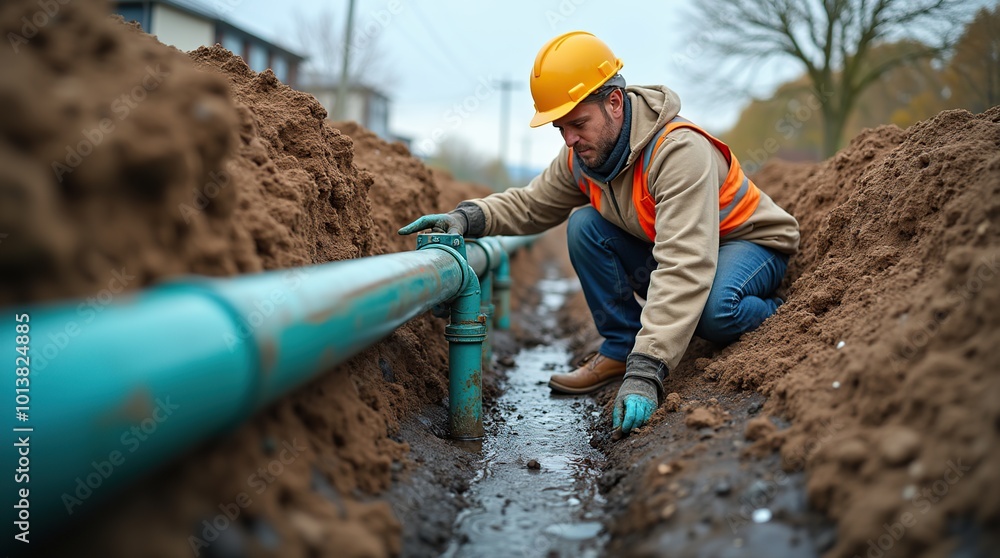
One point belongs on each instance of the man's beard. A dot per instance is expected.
(605, 144)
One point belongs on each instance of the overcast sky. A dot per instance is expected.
(439, 55)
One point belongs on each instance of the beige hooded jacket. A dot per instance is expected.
(684, 179)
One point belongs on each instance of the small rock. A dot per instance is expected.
(507, 361)
(836, 385)
(668, 511)
(761, 515)
(723, 488)
(759, 428)
(664, 469)
(850, 453)
(840, 344)
(899, 445)
(909, 492)
(706, 433)
(672, 403)
(534, 464)
(702, 418)
(755, 408)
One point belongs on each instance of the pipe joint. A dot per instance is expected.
(474, 332)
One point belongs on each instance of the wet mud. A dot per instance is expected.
(535, 492)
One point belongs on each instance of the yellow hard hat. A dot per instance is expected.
(567, 69)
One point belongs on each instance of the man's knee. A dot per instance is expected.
(582, 226)
(718, 320)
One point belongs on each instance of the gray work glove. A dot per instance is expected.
(639, 395)
(454, 222)
(467, 219)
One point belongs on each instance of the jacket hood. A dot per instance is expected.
(652, 107)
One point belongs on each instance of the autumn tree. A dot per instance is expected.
(974, 72)
(832, 39)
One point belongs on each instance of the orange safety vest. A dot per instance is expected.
(738, 195)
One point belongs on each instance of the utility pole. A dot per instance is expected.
(524, 176)
(506, 86)
(342, 87)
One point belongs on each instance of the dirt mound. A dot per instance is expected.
(891, 333)
(178, 164)
(85, 158)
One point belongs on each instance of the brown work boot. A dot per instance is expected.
(595, 371)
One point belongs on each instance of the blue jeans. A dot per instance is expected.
(612, 263)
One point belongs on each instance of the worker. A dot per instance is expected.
(668, 216)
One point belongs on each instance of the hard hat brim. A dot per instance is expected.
(543, 118)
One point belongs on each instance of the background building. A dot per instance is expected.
(366, 105)
(188, 25)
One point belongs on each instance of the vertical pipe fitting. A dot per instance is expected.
(501, 288)
(465, 335)
(492, 250)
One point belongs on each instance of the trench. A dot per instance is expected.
(534, 492)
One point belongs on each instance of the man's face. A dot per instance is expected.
(592, 129)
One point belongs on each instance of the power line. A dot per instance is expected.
(436, 38)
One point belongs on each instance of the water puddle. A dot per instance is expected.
(536, 494)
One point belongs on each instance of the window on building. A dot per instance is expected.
(233, 43)
(378, 115)
(258, 57)
(280, 67)
(133, 12)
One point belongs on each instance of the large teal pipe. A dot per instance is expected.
(117, 389)
(119, 385)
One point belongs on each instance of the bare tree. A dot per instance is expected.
(832, 39)
(321, 35)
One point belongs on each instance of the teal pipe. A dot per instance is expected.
(501, 286)
(501, 278)
(491, 250)
(118, 389)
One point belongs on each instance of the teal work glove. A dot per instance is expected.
(631, 409)
(639, 394)
(451, 223)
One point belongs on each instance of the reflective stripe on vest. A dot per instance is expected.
(738, 195)
(586, 185)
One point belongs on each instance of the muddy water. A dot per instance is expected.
(536, 493)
